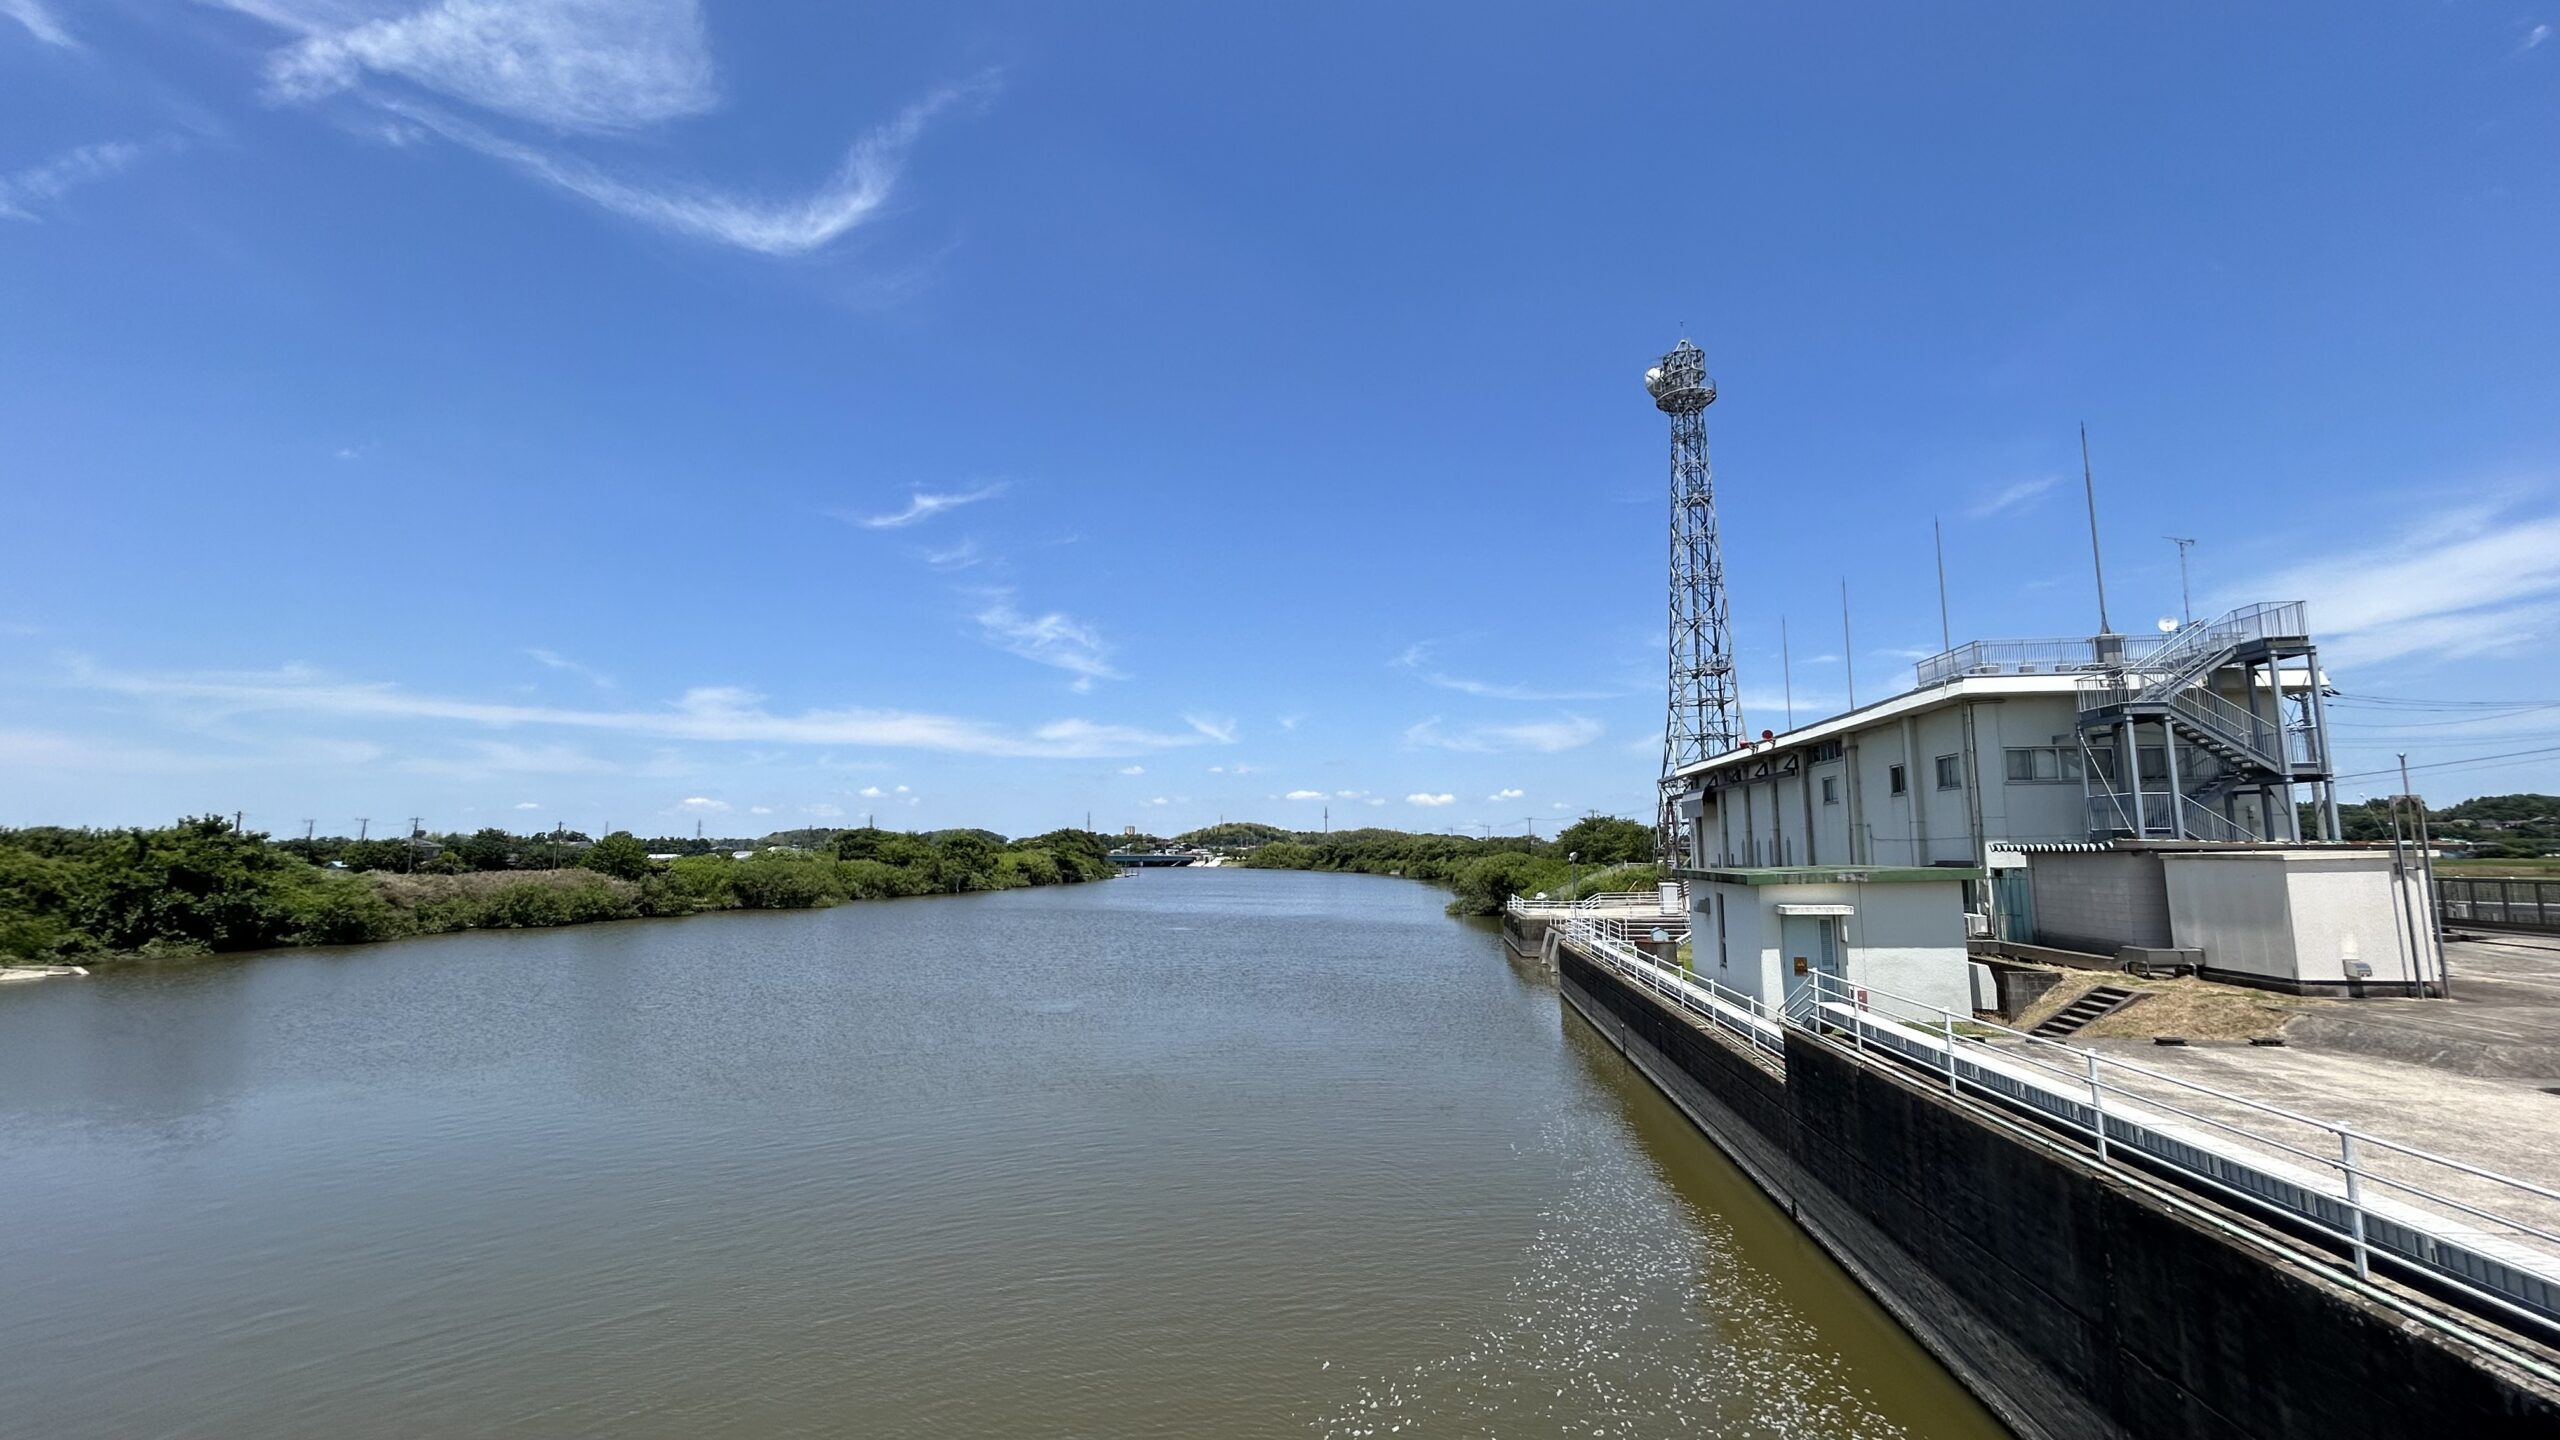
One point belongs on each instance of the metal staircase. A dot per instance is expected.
(2214, 751)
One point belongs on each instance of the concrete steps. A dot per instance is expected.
(2102, 1000)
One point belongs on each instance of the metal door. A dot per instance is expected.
(2013, 897)
(1810, 946)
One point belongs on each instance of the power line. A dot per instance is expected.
(2411, 702)
(2451, 764)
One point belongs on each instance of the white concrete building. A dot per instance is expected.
(2311, 919)
(1915, 807)
(1767, 931)
(2208, 734)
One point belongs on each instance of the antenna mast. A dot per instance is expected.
(2089, 488)
(1700, 720)
(1946, 634)
(2186, 603)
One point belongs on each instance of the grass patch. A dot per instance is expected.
(2196, 1009)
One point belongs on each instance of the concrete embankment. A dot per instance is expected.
(2074, 1302)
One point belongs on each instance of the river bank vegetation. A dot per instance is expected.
(1590, 857)
(203, 885)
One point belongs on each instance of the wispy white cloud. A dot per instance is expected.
(24, 752)
(1566, 732)
(2534, 37)
(1221, 728)
(1430, 801)
(482, 759)
(595, 65)
(953, 557)
(2011, 496)
(39, 22)
(24, 193)
(924, 505)
(1488, 690)
(2478, 581)
(1507, 794)
(554, 660)
(702, 805)
(528, 804)
(1304, 795)
(1054, 639)
(857, 192)
(1133, 769)
(710, 714)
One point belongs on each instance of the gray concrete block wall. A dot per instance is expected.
(2099, 900)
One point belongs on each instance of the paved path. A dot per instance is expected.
(2507, 1126)
(2503, 1019)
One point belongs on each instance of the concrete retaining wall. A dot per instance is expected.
(2074, 1305)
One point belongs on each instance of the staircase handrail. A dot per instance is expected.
(2200, 648)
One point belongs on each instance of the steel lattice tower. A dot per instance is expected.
(1703, 718)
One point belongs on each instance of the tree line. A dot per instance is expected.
(1593, 855)
(2499, 827)
(204, 885)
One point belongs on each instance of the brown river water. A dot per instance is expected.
(1193, 1153)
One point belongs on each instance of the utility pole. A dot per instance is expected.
(308, 826)
(409, 855)
(1532, 822)
(2186, 605)
(2089, 488)
(361, 823)
(2427, 861)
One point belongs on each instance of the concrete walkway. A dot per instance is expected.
(2503, 1019)
(2504, 1125)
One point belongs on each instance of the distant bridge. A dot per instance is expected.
(1151, 859)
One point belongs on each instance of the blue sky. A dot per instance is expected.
(634, 414)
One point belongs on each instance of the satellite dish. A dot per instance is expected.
(2168, 625)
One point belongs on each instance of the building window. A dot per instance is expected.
(1827, 750)
(2043, 765)
(2154, 760)
(1950, 772)
(1896, 781)
(1830, 789)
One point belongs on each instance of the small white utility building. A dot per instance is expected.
(1767, 931)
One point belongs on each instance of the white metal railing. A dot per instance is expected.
(2195, 649)
(2026, 657)
(1742, 1016)
(2382, 1202)
(1539, 907)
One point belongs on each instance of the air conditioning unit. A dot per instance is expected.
(1976, 926)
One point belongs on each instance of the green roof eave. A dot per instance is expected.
(1832, 874)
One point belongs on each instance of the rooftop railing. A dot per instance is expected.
(2061, 656)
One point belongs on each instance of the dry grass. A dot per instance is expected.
(2196, 1009)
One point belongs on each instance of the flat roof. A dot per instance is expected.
(1893, 707)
